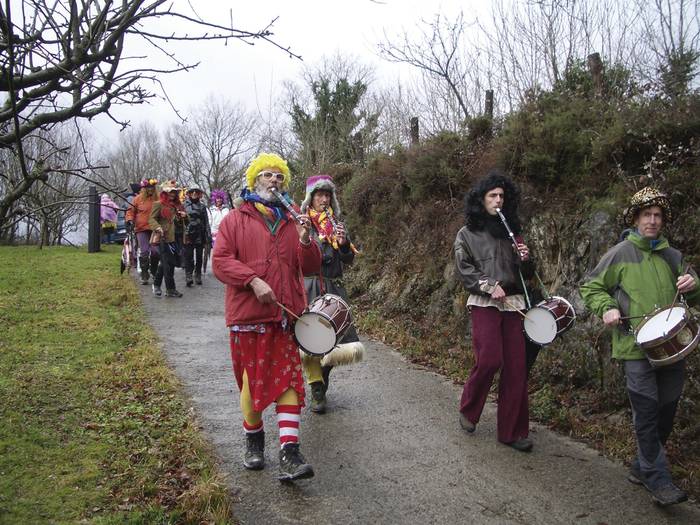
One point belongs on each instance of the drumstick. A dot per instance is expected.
(687, 267)
(291, 313)
(513, 306)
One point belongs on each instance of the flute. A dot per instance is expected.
(332, 220)
(287, 205)
(510, 233)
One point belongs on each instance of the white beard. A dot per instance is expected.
(264, 193)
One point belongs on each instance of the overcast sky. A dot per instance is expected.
(254, 74)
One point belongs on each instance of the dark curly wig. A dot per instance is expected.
(476, 216)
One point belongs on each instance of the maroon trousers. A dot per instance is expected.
(498, 343)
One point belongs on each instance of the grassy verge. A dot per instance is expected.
(93, 427)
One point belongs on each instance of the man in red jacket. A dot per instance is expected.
(261, 255)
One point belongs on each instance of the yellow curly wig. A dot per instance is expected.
(267, 161)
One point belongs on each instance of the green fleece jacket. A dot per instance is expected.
(636, 279)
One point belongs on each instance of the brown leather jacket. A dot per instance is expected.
(481, 257)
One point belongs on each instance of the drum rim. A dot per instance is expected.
(303, 348)
(678, 356)
(669, 335)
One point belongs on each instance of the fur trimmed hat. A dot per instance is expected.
(266, 161)
(320, 182)
(645, 198)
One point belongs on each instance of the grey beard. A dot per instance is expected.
(264, 193)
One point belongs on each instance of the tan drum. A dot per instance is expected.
(548, 319)
(668, 335)
(321, 327)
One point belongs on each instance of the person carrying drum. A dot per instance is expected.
(490, 269)
(636, 276)
(337, 251)
(262, 255)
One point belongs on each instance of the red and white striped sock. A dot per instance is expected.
(288, 417)
(252, 429)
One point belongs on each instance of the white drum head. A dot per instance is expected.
(540, 325)
(661, 324)
(314, 333)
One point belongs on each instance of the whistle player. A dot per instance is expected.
(261, 255)
(489, 268)
(337, 252)
(630, 281)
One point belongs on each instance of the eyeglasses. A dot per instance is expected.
(267, 175)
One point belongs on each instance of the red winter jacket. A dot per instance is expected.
(245, 249)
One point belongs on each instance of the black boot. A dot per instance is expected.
(318, 397)
(143, 263)
(153, 265)
(293, 465)
(255, 451)
(326, 374)
(197, 278)
(173, 293)
(188, 279)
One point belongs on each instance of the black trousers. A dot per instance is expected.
(193, 258)
(166, 267)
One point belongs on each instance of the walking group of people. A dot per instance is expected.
(274, 262)
(173, 228)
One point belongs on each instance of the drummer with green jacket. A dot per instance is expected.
(634, 278)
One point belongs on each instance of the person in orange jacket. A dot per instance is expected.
(137, 215)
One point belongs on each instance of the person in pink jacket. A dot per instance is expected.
(108, 218)
(261, 255)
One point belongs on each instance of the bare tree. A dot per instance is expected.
(671, 31)
(138, 155)
(67, 60)
(210, 149)
(54, 206)
(448, 72)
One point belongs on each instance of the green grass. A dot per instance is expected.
(93, 427)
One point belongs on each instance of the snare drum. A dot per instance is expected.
(322, 326)
(548, 319)
(668, 335)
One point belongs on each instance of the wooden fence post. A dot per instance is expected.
(595, 67)
(488, 104)
(414, 131)
(94, 231)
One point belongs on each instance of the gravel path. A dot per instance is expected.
(390, 449)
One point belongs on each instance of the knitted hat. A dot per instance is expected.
(263, 162)
(168, 186)
(644, 199)
(320, 182)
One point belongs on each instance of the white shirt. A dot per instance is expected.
(216, 215)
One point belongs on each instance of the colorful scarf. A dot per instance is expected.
(324, 227)
(272, 212)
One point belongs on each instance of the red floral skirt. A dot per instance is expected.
(272, 362)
